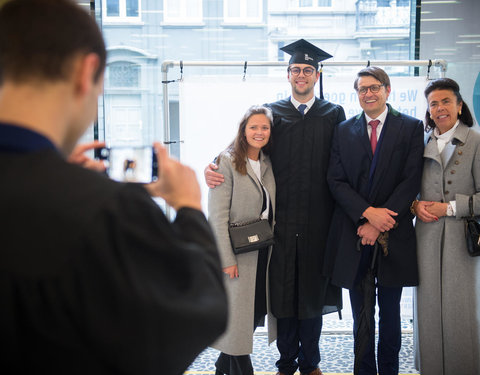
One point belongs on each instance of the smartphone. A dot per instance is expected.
(130, 164)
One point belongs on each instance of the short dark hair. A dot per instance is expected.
(39, 39)
(447, 84)
(375, 72)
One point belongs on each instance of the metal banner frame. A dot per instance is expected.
(168, 64)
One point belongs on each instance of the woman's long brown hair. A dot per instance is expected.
(238, 148)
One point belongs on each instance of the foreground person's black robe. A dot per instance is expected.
(300, 157)
(93, 277)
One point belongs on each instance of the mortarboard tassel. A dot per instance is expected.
(321, 81)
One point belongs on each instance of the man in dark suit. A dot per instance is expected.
(94, 279)
(374, 175)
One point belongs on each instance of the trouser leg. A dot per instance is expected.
(390, 333)
(362, 318)
(288, 344)
(309, 334)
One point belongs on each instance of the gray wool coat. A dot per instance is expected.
(240, 199)
(447, 315)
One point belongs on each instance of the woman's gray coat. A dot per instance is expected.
(447, 324)
(240, 199)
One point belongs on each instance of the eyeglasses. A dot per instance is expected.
(373, 89)
(306, 71)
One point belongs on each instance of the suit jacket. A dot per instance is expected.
(93, 277)
(394, 184)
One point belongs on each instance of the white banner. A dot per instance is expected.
(211, 108)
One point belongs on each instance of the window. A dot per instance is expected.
(183, 11)
(121, 10)
(123, 104)
(383, 3)
(314, 3)
(123, 74)
(249, 11)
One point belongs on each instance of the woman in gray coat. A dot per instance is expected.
(247, 194)
(448, 296)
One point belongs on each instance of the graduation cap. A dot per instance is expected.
(303, 52)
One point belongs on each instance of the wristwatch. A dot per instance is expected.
(449, 210)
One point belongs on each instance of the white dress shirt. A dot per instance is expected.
(380, 118)
(309, 104)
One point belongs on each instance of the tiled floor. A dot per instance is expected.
(336, 348)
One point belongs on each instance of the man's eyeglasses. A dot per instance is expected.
(296, 71)
(373, 89)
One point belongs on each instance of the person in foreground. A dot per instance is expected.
(93, 277)
(247, 194)
(374, 175)
(447, 301)
(299, 292)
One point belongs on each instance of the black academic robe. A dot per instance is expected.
(304, 205)
(93, 277)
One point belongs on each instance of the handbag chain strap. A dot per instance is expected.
(242, 223)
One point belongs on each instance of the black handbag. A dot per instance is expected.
(472, 232)
(250, 236)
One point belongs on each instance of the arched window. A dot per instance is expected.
(123, 74)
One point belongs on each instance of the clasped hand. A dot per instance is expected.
(379, 220)
(368, 233)
(430, 211)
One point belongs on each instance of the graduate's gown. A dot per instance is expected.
(300, 156)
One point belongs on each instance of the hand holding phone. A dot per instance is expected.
(176, 183)
(79, 156)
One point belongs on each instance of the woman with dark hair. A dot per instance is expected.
(247, 194)
(447, 319)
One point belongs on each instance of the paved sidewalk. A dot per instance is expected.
(336, 348)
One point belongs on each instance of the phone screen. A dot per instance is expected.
(131, 164)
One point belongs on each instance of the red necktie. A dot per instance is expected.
(373, 137)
